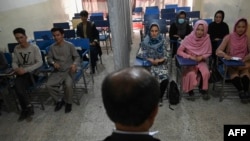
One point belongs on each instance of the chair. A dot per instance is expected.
(138, 11)
(170, 10)
(44, 44)
(11, 47)
(152, 10)
(193, 14)
(63, 25)
(168, 6)
(84, 48)
(43, 35)
(223, 70)
(183, 8)
(96, 17)
(104, 34)
(69, 33)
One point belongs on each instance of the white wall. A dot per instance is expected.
(234, 9)
(32, 15)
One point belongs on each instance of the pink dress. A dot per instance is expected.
(194, 46)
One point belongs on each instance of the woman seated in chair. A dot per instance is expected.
(236, 45)
(153, 47)
(196, 46)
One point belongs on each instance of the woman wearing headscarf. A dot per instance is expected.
(178, 30)
(153, 47)
(236, 44)
(196, 46)
(217, 30)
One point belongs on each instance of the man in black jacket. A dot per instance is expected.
(130, 97)
(87, 29)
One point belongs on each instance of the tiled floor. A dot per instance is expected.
(197, 120)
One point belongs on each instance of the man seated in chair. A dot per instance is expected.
(87, 29)
(27, 58)
(64, 57)
(132, 107)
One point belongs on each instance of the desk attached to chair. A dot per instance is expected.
(226, 64)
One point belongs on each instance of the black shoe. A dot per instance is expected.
(242, 95)
(30, 110)
(191, 93)
(68, 108)
(23, 115)
(204, 94)
(59, 105)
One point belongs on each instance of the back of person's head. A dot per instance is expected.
(130, 96)
(84, 13)
(54, 29)
(19, 30)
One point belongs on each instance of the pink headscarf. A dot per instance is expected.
(198, 46)
(238, 44)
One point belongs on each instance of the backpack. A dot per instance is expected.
(173, 93)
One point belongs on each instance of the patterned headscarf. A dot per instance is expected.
(153, 42)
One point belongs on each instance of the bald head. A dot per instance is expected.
(130, 95)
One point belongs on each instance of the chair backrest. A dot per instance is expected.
(168, 16)
(77, 15)
(101, 23)
(80, 42)
(43, 44)
(170, 10)
(193, 14)
(69, 33)
(138, 10)
(8, 57)
(183, 8)
(152, 10)
(150, 17)
(43, 35)
(168, 6)
(96, 18)
(11, 47)
(63, 25)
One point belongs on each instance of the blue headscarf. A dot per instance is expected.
(153, 42)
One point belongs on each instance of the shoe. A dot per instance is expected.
(23, 115)
(30, 110)
(160, 102)
(242, 95)
(204, 94)
(247, 95)
(68, 108)
(191, 93)
(59, 105)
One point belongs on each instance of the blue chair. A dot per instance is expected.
(193, 14)
(152, 10)
(69, 33)
(170, 10)
(183, 8)
(168, 16)
(168, 6)
(138, 11)
(63, 25)
(96, 18)
(11, 47)
(43, 35)
(43, 44)
(104, 34)
(84, 48)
